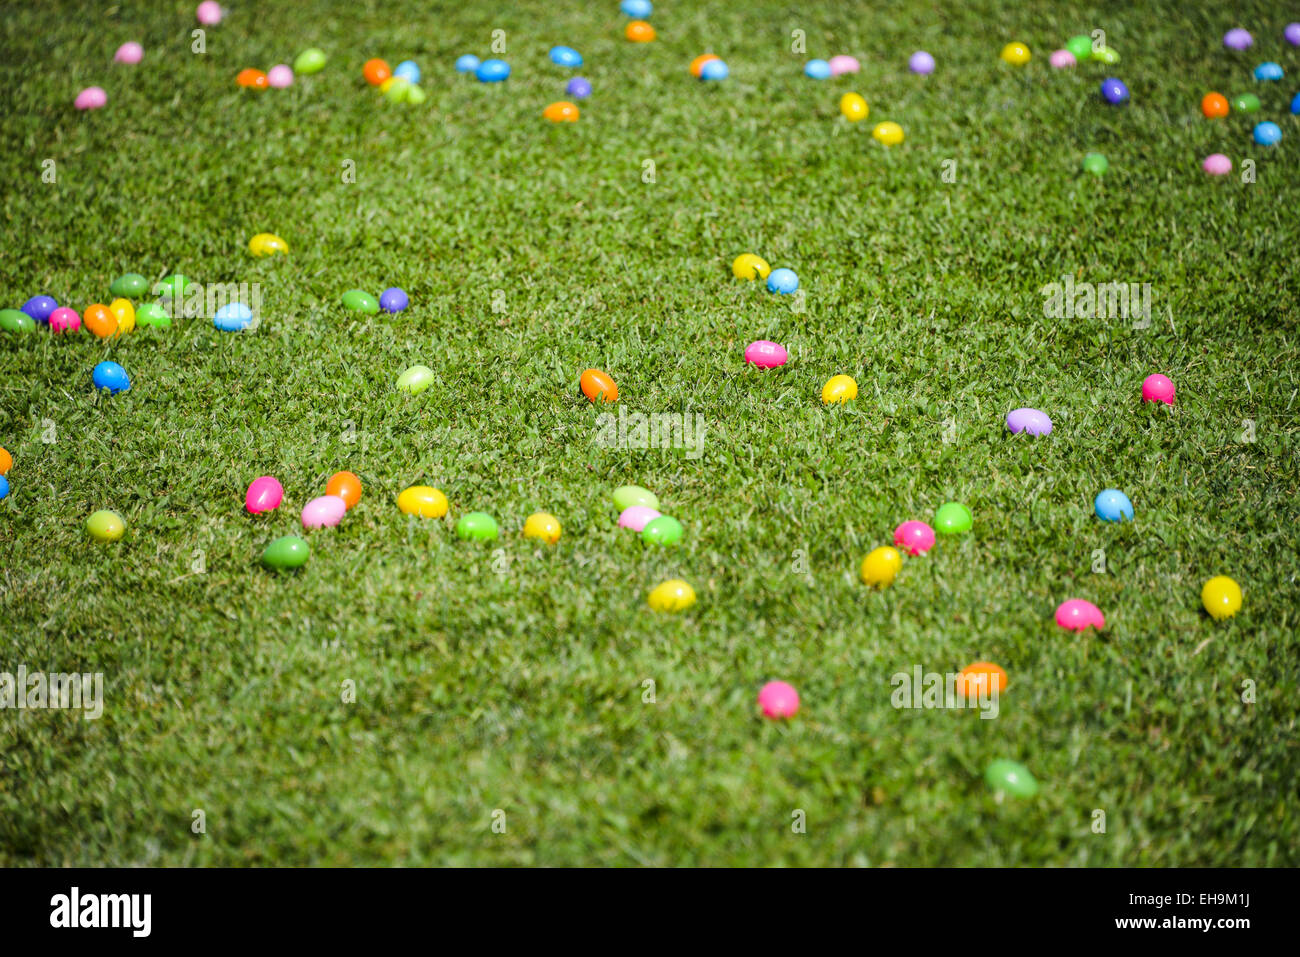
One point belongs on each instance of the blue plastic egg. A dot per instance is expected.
(492, 71)
(636, 9)
(782, 281)
(467, 63)
(566, 56)
(40, 307)
(233, 317)
(1268, 71)
(1267, 134)
(1112, 505)
(110, 376)
(1114, 91)
(817, 69)
(407, 70)
(714, 70)
(393, 300)
(579, 88)
(1295, 103)
(4, 487)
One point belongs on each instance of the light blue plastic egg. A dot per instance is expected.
(233, 317)
(110, 376)
(407, 70)
(817, 69)
(1112, 505)
(636, 9)
(566, 56)
(714, 70)
(783, 281)
(492, 71)
(467, 63)
(1267, 134)
(1268, 71)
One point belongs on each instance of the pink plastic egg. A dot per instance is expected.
(64, 319)
(844, 64)
(1158, 388)
(130, 52)
(778, 700)
(1216, 164)
(324, 511)
(1077, 614)
(635, 517)
(280, 76)
(765, 354)
(915, 538)
(263, 495)
(209, 13)
(91, 98)
(1061, 59)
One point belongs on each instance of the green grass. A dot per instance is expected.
(512, 679)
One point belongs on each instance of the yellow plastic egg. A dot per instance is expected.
(839, 388)
(854, 107)
(424, 501)
(124, 313)
(674, 595)
(891, 134)
(1221, 597)
(1017, 54)
(881, 566)
(544, 526)
(749, 266)
(267, 244)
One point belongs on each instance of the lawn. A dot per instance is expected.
(502, 714)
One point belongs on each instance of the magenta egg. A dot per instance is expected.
(1216, 164)
(264, 494)
(324, 511)
(843, 64)
(280, 76)
(1158, 388)
(91, 98)
(130, 52)
(64, 319)
(1077, 614)
(778, 700)
(913, 537)
(636, 517)
(1061, 59)
(765, 354)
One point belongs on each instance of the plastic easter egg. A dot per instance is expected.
(1029, 421)
(1105, 55)
(209, 13)
(99, 320)
(6, 461)
(817, 69)
(358, 300)
(280, 76)
(749, 266)
(638, 31)
(40, 308)
(1017, 54)
(697, 65)
(566, 57)
(1010, 777)
(376, 71)
(91, 98)
(637, 517)
(561, 111)
(1292, 34)
(1095, 163)
(124, 313)
(233, 317)
(467, 63)
(839, 389)
(714, 70)
(1079, 615)
(265, 493)
(131, 285)
(854, 107)
(1112, 505)
(1246, 103)
(398, 89)
(881, 566)
(664, 530)
(175, 286)
(1267, 134)
(323, 512)
(1062, 59)
(1114, 91)
(492, 71)
(129, 53)
(152, 314)
(1214, 105)
(625, 496)
(766, 354)
(1268, 72)
(346, 485)
(888, 133)
(913, 537)
(252, 79)
(921, 62)
(1221, 597)
(1159, 388)
(110, 376)
(15, 320)
(105, 525)
(776, 699)
(407, 70)
(4, 487)
(543, 526)
(1216, 164)
(1295, 103)
(843, 63)
(477, 526)
(673, 595)
(393, 299)
(953, 518)
(981, 679)
(579, 88)
(424, 501)
(1238, 39)
(286, 552)
(415, 380)
(415, 96)
(783, 281)
(1080, 45)
(309, 61)
(598, 386)
(640, 9)
(64, 320)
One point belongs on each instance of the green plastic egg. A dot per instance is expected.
(415, 95)
(477, 526)
(152, 314)
(105, 526)
(15, 320)
(310, 60)
(1096, 164)
(287, 552)
(131, 286)
(663, 530)
(1105, 55)
(358, 300)
(625, 496)
(1012, 778)
(1245, 103)
(415, 380)
(1080, 46)
(175, 286)
(398, 90)
(953, 518)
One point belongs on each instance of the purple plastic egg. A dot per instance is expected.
(40, 307)
(393, 300)
(921, 62)
(579, 88)
(1030, 421)
(1292, 34)
(1238, 39)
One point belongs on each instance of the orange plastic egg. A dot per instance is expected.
(697, 65)
(596, 384)
(252, 79)
(376, 71)
(561, 112)
(638, 31)
(346, 486)
(6, 461)
(1214, 105)
(99, 320)
(981, 678)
